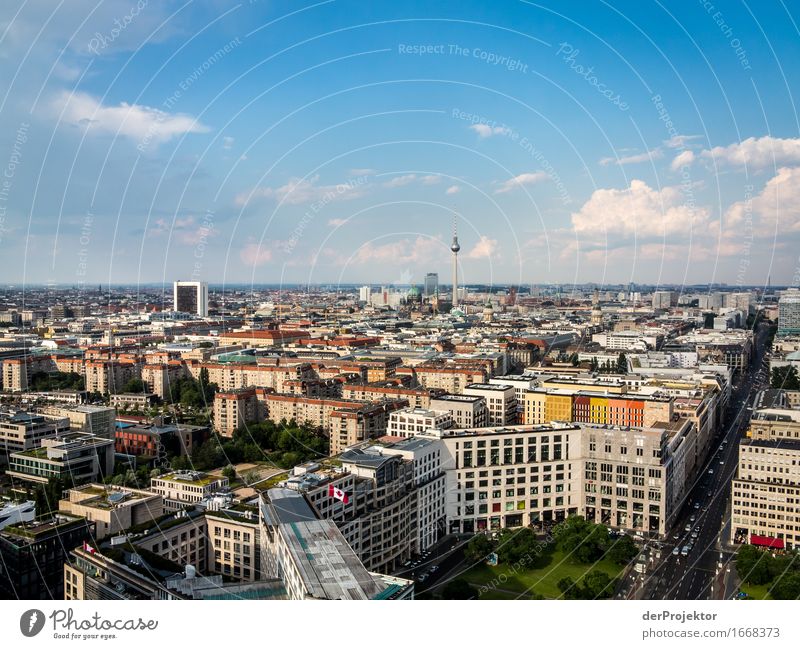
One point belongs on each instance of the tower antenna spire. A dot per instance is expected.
(455, 247)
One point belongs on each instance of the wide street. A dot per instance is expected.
(706, 510)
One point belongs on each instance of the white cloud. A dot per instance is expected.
(362, 172)
(679, 141)
(401, 181)
(453, 189)
(484, 130)
(403, 252)
(298, 191)
(335, 223)
(431, 180)
(187, 231)
(484, 249)
(775, 211)
(227, 143)
(759, 153)
(522, 179)
(633, 159)
(252, 254)
(142, 123)
(638, 210)
(683, 159)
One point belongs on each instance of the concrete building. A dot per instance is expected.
(33, 555)
(235, 408)
(312, 558)
(431, 284)
(23, 431)
(181, 489)
(765, 501)
(75, 458)
(98, 420)
(501, 401)
(234, 546)
(112, 509)
(190, 297)
(789, 313)
(408, 422)
(467, 411)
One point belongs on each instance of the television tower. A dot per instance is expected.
(455, 248)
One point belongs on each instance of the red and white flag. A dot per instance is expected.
(88, 548)
(339, 494)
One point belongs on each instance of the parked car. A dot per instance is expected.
(676, 551)
(685, 551)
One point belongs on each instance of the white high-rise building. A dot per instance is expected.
(191, 297)
(364, 294)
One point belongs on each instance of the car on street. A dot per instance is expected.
(676, 551)
(710, 471)
(685, 550)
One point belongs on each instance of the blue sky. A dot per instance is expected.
(337, 141)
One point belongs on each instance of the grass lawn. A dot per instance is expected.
(540, 581)
(756, 591)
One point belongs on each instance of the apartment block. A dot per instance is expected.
(408, 422)
(501, 401)
(467, 411)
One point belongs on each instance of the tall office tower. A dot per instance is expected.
(789, 313)
(364, 294)
(191, 297)
(455, 248)
(431, 284)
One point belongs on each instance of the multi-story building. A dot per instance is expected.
(182, 489)
(450, 379)
(33, 555)
(75, 458)
(530, 475)
(182, 539)
(112, 509)
(431, 284)
(98, 420)
(765, 498)
(313, 559)
(466, 410)
(501, 401)
(234, 548)
(349, 426)
(429, 480)
(22, 431)
(235, 408)
(408, 422)
(110, 376)
(416, 397)
(789, 313)
(190, 297)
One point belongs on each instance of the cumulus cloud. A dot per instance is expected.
(298, 191)
(484, 130)
(522, 179)
(773, 211)
(453, 189)
(638, 210)
(634, 159)
(253, 254)
(679, 141)
(404, 251)
(759, 153)
(683, 159)
(484, 249)
(136, 121)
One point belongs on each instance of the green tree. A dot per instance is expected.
(622, 550)
(459, 589)
(135, 385)
(622, 364)
(785, 378)
(480, 547)
(787, 586)
(229, 472)
(754, 565)
(597, 585)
